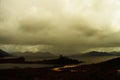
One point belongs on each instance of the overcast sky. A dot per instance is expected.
(59, 26)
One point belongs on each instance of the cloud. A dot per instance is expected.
(65, 25)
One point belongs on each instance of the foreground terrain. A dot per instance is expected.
(108, 70)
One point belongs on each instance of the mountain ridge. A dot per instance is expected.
(34, 54)
(4, 54)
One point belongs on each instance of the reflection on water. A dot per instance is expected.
(11, 65)
(95, 59)
(64, 67)
(38, 58)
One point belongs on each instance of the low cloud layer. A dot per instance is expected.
(65, 26)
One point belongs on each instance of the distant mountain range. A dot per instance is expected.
(48, 54)
(96, 53)
(34, 54)
(4, 54)
(25, 54)
(115, 53)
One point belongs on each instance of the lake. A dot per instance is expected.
(88, 60)
(95, 59)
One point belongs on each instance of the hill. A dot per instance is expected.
(4, 54)
(111, 64)
(95, 53)
(62, 60)
(115, 53)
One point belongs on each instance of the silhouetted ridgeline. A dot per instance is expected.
(4, 54)
(62, 60)
(58, 61)
(96, 53)
(35, 54)
(111, 64)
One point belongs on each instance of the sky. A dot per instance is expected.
(60, 26)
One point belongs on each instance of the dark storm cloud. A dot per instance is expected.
(69, 26)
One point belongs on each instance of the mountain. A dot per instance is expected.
(4, 54)
(115, 53)
(95, 53)
(34, 54)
